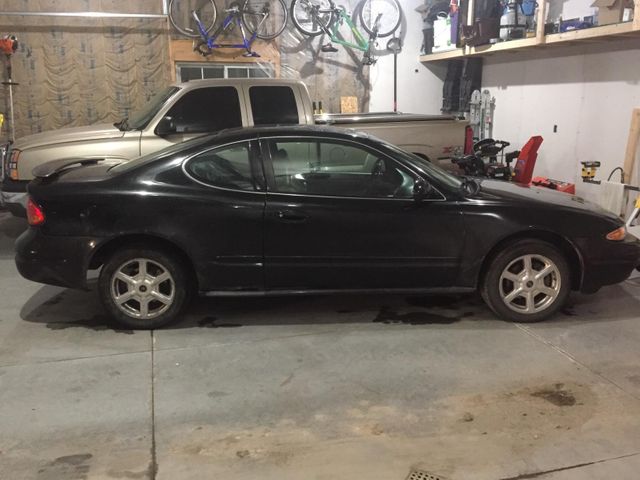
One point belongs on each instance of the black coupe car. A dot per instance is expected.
(302, 210)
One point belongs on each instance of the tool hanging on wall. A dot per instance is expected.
(394, 45)
(8, 46)
(481, 110)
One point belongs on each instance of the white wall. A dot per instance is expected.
(419, 87)
(568, 9)
(588, 92)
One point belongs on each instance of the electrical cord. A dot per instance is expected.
(621, 174)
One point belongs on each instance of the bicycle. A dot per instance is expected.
(379, 18)
(264, 19)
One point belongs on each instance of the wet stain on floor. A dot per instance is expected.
(71, 467)
(388, 316)
(557, 396)
(97, 323)
(212, 322)
(54, 300)
(441, 301)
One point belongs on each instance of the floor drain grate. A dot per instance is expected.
(415, 474)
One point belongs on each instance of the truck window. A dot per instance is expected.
(273, 105)
(207, 110)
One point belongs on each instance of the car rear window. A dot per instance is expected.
(225, 167)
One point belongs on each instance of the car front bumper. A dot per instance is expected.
(608, 263)
(54, 260)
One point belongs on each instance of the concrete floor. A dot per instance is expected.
(316, 388)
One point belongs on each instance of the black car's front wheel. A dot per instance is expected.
(527, 282)
(143, 288)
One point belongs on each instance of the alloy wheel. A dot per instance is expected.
(142, 288)
(530, 284)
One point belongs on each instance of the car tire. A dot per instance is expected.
(527, 282)
(143, 288)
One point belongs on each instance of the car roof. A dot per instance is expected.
(293, 130)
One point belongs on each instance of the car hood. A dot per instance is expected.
(68, 135)
(514, 192)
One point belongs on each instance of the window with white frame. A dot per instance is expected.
(186, 71)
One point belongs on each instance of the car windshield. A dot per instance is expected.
(141, 118)
(432, 170)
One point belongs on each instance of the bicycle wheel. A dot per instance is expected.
(266, 17)
(181, 15)
(311, 17)
(380, 17)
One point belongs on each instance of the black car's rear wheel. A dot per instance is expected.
(527, 282)
(143, 288)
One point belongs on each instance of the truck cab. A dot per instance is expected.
(177, 113)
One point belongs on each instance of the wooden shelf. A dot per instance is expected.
(434, 57)
(601, 33)
(502, 46)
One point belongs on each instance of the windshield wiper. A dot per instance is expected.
(122, 125)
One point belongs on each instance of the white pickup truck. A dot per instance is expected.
(186, 110)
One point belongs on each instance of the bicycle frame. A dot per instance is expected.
(361, 44)
(233, 19)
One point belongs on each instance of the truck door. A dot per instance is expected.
(196, 112)
(275, 105)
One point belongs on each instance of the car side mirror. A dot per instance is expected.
(166, 126)
(421, 189)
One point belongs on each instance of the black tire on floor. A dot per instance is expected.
(494, 287)
(173, 291)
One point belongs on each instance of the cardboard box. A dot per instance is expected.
(611, 11)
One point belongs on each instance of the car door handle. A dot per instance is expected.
(290, 216)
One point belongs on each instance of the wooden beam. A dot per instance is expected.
(632, 146)
(636, 15)
(182, 51)
(541, 18)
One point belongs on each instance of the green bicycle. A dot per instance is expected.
(379, 18)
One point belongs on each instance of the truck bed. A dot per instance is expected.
(434, 137)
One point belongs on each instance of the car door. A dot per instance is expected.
(197, 112)
(228, 207)
(340, 215)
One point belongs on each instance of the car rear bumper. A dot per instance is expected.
(61, 261)
(609, 263)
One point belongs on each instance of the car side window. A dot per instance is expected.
(333, 168)
(273, 105)
(226, 167)
(207, 110)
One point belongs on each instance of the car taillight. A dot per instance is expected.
(35, 215)
(617, 235)
(13, 165)
(468, 140)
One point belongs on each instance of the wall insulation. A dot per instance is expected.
(78, 71)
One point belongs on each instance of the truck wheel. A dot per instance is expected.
(527, 282)
(143, 288)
